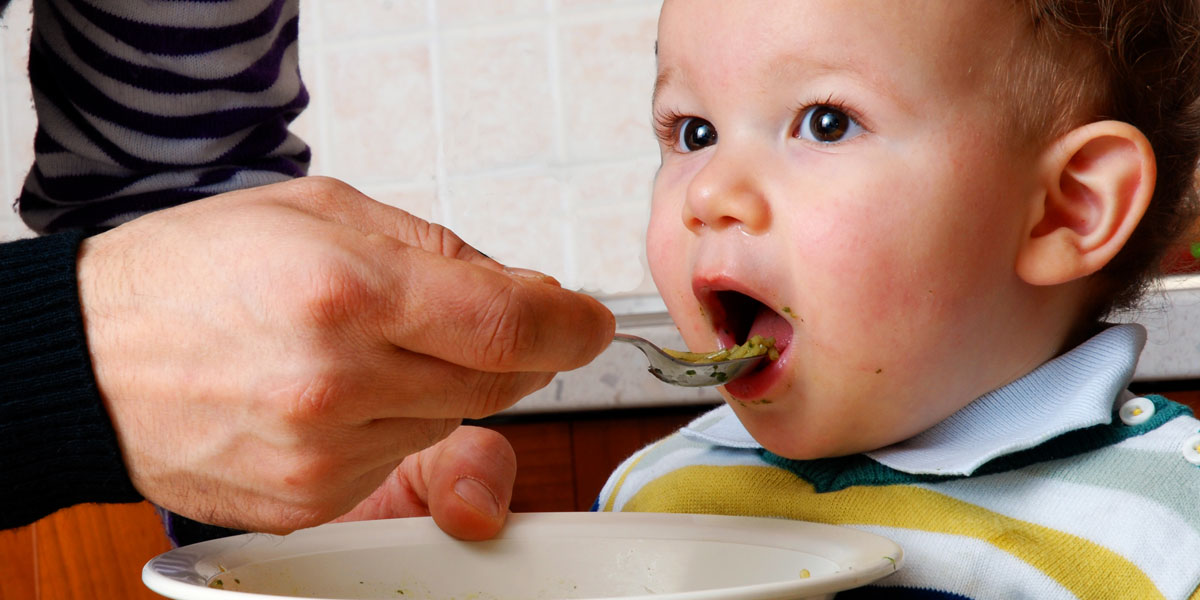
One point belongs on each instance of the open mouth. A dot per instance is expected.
(736, 317)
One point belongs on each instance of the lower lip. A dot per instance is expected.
(757, 384)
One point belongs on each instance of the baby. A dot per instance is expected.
(931, 206)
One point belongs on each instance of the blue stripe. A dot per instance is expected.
(181, 41)
(257, 77)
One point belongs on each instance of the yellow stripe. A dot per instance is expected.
(768, 491)
(1195, 595)
(612, 497)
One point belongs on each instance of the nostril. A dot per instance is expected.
(746, 210)
(692, 222)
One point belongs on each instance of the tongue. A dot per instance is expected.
(771, 324)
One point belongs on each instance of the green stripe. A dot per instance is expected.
(832, 474)
(1162, 477)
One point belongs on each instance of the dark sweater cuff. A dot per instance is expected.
(57, 443)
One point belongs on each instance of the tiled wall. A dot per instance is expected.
(523, 125)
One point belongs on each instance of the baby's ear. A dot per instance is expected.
(1097, 183)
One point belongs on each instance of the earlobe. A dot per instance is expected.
(1098, 181)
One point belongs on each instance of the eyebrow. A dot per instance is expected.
(660, 82)
(791, 65)
(810, 66)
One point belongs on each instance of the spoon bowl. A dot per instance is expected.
(686, 373)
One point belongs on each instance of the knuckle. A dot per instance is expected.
(325, 191)
(328, 293)
(507, 336)
(319, 397)
(441, 240)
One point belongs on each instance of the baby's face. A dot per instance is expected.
(836, 175)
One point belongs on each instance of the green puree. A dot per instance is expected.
(755, 346)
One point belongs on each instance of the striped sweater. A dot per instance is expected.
(141, 105)
(145, 104)
(1108, 510)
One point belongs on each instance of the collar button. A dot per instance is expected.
(1191, 449)
(1136, 411)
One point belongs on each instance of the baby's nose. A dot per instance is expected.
(727, 193)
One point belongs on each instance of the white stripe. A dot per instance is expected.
(243, 179)
(219, 64)
(195, 14)
(283, 90)
(685, 454)
(185, 152)
(967, 566)
(1147, 534)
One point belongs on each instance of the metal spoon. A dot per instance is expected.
(689, 374)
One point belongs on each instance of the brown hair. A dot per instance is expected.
(1136, 61)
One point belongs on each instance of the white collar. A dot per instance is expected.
(1072, 391)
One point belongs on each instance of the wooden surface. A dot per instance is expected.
(97, 551)
(88, 551)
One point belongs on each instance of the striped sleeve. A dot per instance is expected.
(143, 105)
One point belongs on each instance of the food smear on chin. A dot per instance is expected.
(755, 346)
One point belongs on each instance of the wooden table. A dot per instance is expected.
(97, 551)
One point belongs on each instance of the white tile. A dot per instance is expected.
(516, 219)
(594, 6)
(15, 31)
(610, 207)
(497, 100)
(11, 225)
(607, 72)
(380, 114)
(19, 127)
(362, 19)
(419, 201)
(459, 12)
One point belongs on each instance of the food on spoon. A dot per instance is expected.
(755, 346)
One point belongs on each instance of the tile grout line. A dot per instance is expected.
(559, 168)
(318, 89)
(442, 211)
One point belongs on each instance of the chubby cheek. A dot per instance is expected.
(669, 251)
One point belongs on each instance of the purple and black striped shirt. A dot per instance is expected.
(145, 104)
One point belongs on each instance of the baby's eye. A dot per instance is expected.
(695, 134)
(827, 125)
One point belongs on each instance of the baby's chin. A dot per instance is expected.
(784, 437)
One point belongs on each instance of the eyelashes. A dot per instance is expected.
(669, 123)
(666, 125)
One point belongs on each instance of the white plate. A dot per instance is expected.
(538, 556)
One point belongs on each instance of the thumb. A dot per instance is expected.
(469, 478)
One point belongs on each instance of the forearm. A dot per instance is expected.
(57, 444)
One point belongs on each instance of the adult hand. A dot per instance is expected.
(464, 482)
(269, 356)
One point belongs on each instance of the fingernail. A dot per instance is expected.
(473, 492)
(530, 274)
(526, 273)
